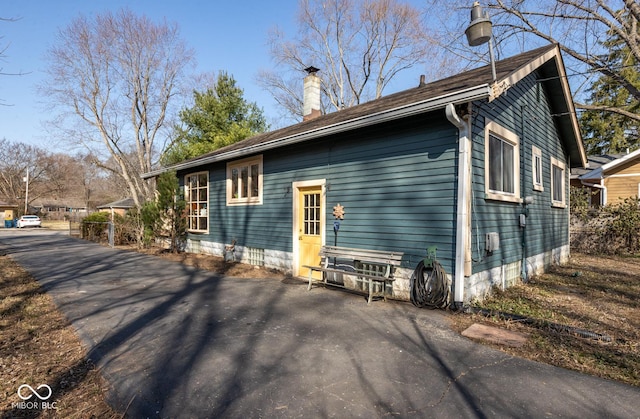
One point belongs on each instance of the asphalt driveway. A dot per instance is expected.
(174, 341)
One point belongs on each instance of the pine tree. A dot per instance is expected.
(165, 217)
(605, 131)
(220, 116)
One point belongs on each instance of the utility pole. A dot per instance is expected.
(26, 196)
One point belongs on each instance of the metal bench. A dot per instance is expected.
(371, 266)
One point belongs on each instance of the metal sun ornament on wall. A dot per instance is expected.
(338, 212)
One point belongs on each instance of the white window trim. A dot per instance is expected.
(557, 163)
(492, 128)
(187, 196)
(251, 200)
(536, 152)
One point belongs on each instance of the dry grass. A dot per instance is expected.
(213, 263)
(38, 346)
(598, 294)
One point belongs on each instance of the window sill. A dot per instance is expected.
(559, 205)
(504, 198)
(247, 202)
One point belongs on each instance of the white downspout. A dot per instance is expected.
(462, 213)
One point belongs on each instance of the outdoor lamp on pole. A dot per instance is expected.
(480, 32)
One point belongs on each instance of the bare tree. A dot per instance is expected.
(580, 27)
(114, 79)
(18, 158)
(3, 50)
(360, 46)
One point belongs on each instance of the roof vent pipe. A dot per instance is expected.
(311, 99)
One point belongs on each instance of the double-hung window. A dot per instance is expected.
(197, 197)
(557, 183)
(244, 181)
(502, 164)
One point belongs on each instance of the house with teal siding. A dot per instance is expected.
(477, 167)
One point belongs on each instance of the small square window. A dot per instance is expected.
(244, 181)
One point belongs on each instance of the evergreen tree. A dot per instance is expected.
(165, 216)
(220, 116)
(606, 131)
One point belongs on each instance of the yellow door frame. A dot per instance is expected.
(297, 222)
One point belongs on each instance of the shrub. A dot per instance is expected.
(95, 227)
(623, 224)
(580, 199)
(614, 229)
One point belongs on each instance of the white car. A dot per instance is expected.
(29, 221)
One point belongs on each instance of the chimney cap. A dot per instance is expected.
(311, 70)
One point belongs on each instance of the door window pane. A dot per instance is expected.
(311, 214)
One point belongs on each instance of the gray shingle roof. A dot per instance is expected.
(594, 162)
(447, 87)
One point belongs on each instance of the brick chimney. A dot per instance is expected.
(311, 99)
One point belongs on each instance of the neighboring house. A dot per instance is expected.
(119, 207)
(478, 168)
(611, 178)
(60, 209)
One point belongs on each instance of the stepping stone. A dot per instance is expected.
(495, 335)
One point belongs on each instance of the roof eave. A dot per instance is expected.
(595, 174)
(482, 91)
(622, 160)
(578, 154)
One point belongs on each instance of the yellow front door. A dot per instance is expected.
(309, 228)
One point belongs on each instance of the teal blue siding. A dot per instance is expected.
(398, 185)
(524, 110)
(396, 182)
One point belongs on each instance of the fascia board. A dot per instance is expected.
(615, 163)
(471, 94)
(513, 78)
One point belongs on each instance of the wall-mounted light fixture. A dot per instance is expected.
(480, 32)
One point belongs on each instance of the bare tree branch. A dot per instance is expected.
(619, 111)
(360, 47)
(115, 77)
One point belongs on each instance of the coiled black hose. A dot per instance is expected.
(429, 286)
